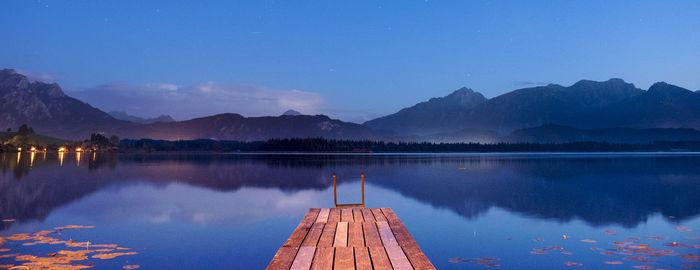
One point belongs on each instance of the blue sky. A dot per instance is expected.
(352, 60)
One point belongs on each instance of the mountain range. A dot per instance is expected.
(612, 110)
(231, 126)
(51, 112)
(585, 104)
(132, 118)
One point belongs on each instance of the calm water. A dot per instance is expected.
(234, 211)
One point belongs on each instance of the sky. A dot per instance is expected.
(351, 60)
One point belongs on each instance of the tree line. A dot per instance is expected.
(369, 146)
(25, 138)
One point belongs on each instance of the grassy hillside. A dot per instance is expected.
(32, 139)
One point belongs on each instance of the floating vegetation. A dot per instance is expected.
(106, 256)
(132, 266)
(8, 255)
(73, 227)
(640, 258)
(612, 262)
(544, 250)
(631, 249)
(490, 262)
(61, 259)
(676, 244)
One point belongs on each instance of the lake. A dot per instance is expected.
(233, 211)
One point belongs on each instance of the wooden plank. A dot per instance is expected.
(385, 233)
(380, 261)
(362, 260)
(357, 215)
(355, 236)
(323, 215)
(417, 257)
(367, 215)
(341, 235)
(345, 238)
(323, 260)
(403, 237)
(283, 258)
(371, 234)
(393, 250)
(344, 258)
(303, 259)
(378, 216)
(328, 235)
(346, 215)
(314, 235)
(334, 215)
(397, 258)
(406, 241)
(300, 232)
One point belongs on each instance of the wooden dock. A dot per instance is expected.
(350, 238)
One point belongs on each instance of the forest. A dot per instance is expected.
(368, 146)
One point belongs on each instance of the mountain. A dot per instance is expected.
(662, 106)
(551, 104)
(131, 118)
(585, 104)
(47, 109)
(291, 112)
(51, 112)
(428, 117)
(231, 126)
(612, 110)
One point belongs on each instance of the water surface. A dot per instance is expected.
(223, 211)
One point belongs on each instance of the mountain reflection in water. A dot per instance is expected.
(599, 189)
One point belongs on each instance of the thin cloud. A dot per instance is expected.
(36, 76)
(529, 83)
(164, 86)
(186, 102)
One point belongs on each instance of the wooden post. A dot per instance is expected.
(335, 194)
(363, 190)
